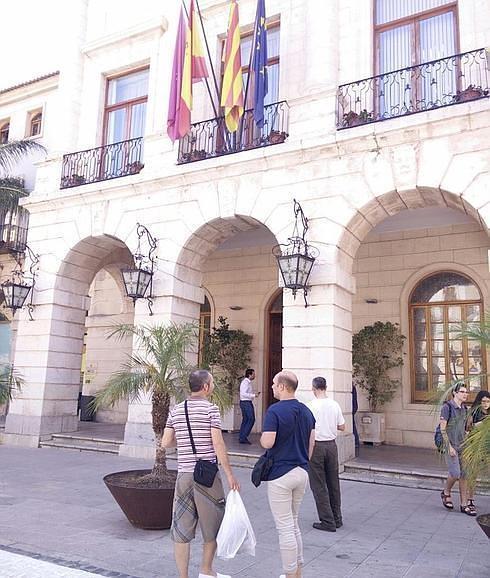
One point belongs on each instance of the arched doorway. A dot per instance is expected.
(274, 345)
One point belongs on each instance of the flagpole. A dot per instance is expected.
(212, 70)
(208, 51)
(252, 52)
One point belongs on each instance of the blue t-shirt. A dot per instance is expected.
(292, 421)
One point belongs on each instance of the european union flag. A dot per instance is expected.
(259, 65)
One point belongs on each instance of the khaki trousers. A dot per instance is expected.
(285, 496)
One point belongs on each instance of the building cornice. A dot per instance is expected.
(153, 27)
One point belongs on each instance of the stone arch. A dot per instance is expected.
(388, 204)
(204, 240)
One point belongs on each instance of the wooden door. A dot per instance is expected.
(274, 359)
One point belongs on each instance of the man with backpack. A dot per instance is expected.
(452, 427)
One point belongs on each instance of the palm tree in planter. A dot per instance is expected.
(157, 368)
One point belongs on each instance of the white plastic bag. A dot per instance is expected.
(235, 534)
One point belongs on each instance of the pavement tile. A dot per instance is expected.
(54, 503)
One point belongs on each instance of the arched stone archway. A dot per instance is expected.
(392, 240)
(49, 349)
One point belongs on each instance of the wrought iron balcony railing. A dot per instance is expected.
(14, 224)
(427, 86)
(102, 163)
(210, 138)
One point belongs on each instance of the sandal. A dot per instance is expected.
(447, 501)
(468, 510)
(471, 505)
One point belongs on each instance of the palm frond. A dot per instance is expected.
(11, 190)
(10, 380)
(14, 151)
(476, 451)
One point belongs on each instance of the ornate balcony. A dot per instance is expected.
(102, 163)
(443, 82)
(14, 224)
(210, 138)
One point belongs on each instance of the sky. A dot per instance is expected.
(30, 35)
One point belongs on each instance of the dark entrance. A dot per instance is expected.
(274, 358)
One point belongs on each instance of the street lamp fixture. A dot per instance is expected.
(138, 280)
(20, 285)
(295, 259)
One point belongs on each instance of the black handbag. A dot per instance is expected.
(261, 470)
(204, 471)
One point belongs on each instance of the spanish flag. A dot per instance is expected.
(232, 87)
(189, 66)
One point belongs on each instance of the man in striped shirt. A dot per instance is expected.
(192, 501)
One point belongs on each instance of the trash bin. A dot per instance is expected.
(86, 412)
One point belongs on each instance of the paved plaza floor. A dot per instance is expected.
(57, 519)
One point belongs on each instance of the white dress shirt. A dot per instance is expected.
(246, 391)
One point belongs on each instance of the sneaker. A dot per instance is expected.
(324, 527)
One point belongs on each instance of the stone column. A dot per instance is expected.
(317, 341)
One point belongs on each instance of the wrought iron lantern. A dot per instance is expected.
(295, 259)
(138, 280)
(20, 285)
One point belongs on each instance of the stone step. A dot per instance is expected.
(89, 444)
(422, 479)
(85, 448)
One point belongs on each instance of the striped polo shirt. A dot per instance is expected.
(203, 415)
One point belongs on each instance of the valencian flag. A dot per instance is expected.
(259, 64)
(189, 66)
(232, 87)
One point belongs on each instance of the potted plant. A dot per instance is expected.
(471, 92)
(156, 368)
(352, 118)
(277, 137)
(227, 355)
(197, 155)
(73, 180)
(376, 349)
(135, 167)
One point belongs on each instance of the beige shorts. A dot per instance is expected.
(194, 503)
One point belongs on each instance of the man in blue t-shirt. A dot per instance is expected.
(289, 435)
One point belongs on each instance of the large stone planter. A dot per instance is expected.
(371, 427)
(145, 507)
(232, 418)
(484, 523)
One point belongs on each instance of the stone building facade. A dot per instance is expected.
(389, 204)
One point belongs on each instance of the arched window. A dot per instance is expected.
(439, 304)
(204, 327)
(4, 132)
(36, 121)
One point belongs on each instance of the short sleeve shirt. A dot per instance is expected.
(292, 421)
(203, 415)
(456, 422)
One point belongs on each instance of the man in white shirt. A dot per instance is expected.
(248, 413)
(324, 463)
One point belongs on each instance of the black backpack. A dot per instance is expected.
(438, 439)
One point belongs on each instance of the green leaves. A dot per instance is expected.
(9, 381)
(375, 350)
(227, 354)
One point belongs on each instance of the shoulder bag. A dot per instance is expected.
(204, 471)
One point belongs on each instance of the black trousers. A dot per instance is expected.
(324, 482)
